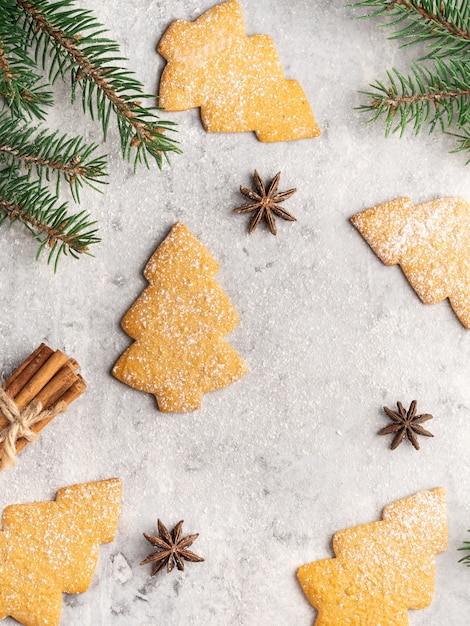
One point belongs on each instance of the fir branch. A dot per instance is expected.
(51, 153)
(437, 94)
(81, 51)
(443, 26)
(466, 558)
(19, 83)
(463, 142)
(440, 96)
(39, 211)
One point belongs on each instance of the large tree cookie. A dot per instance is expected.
(381, 569)
(47, 548)
(430, 241)
(178, 324)
(237, 80)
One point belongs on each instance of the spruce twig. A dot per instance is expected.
(20, 85)
(49, 222)
(444, 26)
(436, 91)
(466, 558)
(50, 153)
(79, 49)
(439, 96)
(66, 42)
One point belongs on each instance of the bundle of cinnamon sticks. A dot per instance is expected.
(46, 376)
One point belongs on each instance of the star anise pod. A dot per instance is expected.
(172, 549)
(264, 203)
(406, 423)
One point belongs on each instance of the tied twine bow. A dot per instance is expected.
(20, 423)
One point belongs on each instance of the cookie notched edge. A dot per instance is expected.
(48, 548)
(178, 325)
(381, 569)
(236, 80)
(430, 242)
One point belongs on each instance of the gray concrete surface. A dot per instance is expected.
(272, 466)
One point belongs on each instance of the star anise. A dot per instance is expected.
(264, 203)
(406, 423)
(172, 549)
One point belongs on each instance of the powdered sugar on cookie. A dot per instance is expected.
(178, 324)
(431, 243)
(237, 80)
(383, 568)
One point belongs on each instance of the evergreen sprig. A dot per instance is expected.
(93, 62)
(20, 85)
(50, 222)
(48, 154)
(436, 96)
(466, 558)
(443, 26)
(436, 91)
(57, 37)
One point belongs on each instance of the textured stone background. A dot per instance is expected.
(272, 466)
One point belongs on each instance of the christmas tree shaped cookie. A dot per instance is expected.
(237, 80)
(381, 569)
(431, 243)
(47, 548)
(178, 324)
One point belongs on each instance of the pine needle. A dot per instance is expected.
(438, 96)
(49, 222)
(48, 154)
(436, 91)
(78, 48)
(466, 558)
(443, 26)
(65, 41)
(20, 84)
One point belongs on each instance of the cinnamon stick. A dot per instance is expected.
(47, 376)
(73, 364)
(75, 391)
(68, 397)
(27, 369)
(57, 386)
(40, 379)
(25, 363)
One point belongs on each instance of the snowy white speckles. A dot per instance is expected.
(237, 80)
(122, 571)
(430, 241)
(383, 568)
(178, 324)
(47, 548)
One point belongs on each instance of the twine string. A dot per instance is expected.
(20, 423)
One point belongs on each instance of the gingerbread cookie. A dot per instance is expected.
(431, 243)
(178, 324)
(47, 548)
(237, 80)
(381, 569)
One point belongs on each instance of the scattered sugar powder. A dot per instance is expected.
(431, 243)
